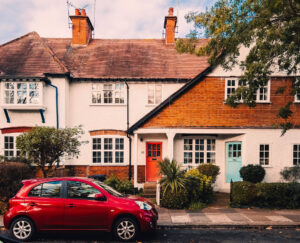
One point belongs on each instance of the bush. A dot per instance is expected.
(123, 186)
(278, 195)
(198, 186)
(175, 200)
(252, 173)
(209, 170)
(291, 173)
(11, 176)
(243, 193)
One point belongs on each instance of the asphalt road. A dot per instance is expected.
(180, 235)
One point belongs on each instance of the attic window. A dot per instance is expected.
(22, 93)
(108, 93)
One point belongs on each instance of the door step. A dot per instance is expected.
(149, 190)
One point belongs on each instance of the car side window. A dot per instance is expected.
(81, 190)
(50, 189)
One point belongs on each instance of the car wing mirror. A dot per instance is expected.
(100, 197)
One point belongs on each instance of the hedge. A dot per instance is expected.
(266, 195)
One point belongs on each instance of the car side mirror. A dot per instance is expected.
(100, 197)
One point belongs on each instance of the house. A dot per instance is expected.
(139, 101)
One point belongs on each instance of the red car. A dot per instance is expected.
(77, 204)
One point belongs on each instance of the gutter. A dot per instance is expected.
(127, 134)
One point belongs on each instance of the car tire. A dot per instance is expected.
(22, 229)
(125, 229)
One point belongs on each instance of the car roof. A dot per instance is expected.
(39, 180)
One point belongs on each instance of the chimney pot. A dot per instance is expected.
(77, 12)
(83, 13)
(171, 10)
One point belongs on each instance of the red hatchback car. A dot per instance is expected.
(77, 204)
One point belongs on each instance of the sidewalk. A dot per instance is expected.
(229, 217)
(226, 218)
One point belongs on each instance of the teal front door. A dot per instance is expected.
(233, 161)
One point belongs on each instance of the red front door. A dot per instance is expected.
(153, 155)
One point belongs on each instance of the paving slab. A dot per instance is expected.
(180, 219)
(279, 218)
(219, 218)
(237, 217)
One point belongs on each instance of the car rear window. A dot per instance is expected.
(47, 189)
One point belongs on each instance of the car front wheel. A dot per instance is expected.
(22, 229)
(125, 229)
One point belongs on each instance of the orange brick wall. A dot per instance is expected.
(107, 132)
(120, 171)
(203, 106)
(141, 173)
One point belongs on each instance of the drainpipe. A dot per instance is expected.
(127, 134)
(57, 117)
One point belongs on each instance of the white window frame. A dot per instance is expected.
(297, 158)
(14, 149)
(27, 92)
(297, 97)
(268, 86)
(104, 150)
(196, 148)
(262, 159)
(117, 89)
(156, 101)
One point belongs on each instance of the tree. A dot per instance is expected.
(44, 145)
(269, 28)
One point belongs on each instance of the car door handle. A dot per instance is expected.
(32, 204)
(71, 205)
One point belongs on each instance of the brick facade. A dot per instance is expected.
(203, 106)
(107, 132)
(141, 173)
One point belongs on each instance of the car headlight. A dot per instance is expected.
(143, 205)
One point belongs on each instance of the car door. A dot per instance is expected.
(45, 205)
(82, 210)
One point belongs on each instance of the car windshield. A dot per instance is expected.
(109, 189)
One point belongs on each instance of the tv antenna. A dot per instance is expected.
(71, 5)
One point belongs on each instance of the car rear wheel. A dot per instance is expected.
(125, 229)
(22, 229)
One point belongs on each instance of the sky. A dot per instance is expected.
(114, 19)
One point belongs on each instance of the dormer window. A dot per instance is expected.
(22, 93)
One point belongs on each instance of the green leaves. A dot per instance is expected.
(269, 29)
(45, 145)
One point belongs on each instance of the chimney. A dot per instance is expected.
(81, 28)
(169, 26)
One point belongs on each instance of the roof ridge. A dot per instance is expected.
(21, 37)
(51, 52)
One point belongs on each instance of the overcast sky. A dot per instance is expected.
(120, 19)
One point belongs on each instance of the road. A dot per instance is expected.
(180, 235)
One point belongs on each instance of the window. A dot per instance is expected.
(112, 150)
(10, 149)
(108, 93)
(47, 189)
(264, 154)
(22, 93)
(262, 94)
(154, 94)
(296, 154)
(297, 97)
(198, 151)
(81, 190)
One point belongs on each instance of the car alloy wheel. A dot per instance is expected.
(22, 229)
(126, 229)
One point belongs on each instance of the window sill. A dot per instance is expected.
(267, 166)
(297, 102)
(108, 105)
(24, 107)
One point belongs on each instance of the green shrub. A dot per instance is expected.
(123, 186)
(198, 186)
(175, 200)
(291, 173)
(173, 178)
(209, 170)
(243, 193)
(252, 173)
(11, 176)
(278, 195)
(197, 206)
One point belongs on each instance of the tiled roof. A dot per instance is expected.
(28, 56)
(103, 58)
